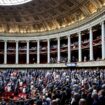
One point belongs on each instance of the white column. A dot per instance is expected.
(103, 39)
(91, 43)
(69, 49)
(58, 52)
(79, 47)
(5, 52)
(17, 53)
(38, 51)
(27, 52)
(48, 51)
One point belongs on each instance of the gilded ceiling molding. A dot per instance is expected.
(56, 16)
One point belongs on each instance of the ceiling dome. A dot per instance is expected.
(12, 2)
(45, 15)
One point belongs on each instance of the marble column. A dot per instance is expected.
(48, 51)
(79, 47)
(38, 51)
(58, 50)
(5, 52)
(17, 52)
(69, 49)
(27, 52)
(91, 43)
(103, 39)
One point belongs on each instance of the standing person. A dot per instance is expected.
(82, 101)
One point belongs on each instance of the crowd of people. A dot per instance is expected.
(34, 87)
(52, 87)
(88, 87)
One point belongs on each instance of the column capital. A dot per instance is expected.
(68, 36)
(5, 40)
(48, 39)
(58, 37)
(37, 40)
(27, 41)
(101, 22)
(16, 41)
(79, 32)
(90, 28)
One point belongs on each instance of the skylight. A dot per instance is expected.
(13, 2)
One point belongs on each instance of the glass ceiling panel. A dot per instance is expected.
(13, 2)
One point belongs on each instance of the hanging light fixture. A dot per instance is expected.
(13, 2)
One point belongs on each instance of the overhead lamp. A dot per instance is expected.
(13, 2)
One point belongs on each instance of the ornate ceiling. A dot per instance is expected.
(46, 15)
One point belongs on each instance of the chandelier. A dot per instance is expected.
(13, 2)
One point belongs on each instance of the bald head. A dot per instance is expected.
(82, 101)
